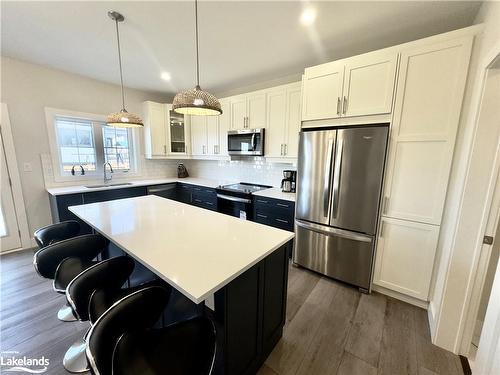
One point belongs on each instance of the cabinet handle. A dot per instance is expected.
(261, 201)
(345, 105)
(165, 149)
(281, 153)
(204, 150)
(282, 221)
(282, 205)
(338, 105)
(381, 234)
(286, 150)
(263, 216)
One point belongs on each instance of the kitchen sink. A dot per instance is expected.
(108, 185)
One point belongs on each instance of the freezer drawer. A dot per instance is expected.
(340, 254)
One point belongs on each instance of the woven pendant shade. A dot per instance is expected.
(196, 102)
(123, 119)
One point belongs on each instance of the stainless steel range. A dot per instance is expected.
(236, 199)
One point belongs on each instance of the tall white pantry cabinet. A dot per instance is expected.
(422, 100)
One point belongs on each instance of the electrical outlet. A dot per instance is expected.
(27, 167)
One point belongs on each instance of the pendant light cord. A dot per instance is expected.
(120, 64)
(197, 52)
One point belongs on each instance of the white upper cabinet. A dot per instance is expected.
(155, 129)
(213, 140)
(426, 115)
(198, 135)
(323, 91)
(256, 110)
(358, 86)
(238, 112)
(248, 111)
(369, 84)
(224, 126)
(177, 132)
(405, 256)
(283, 121)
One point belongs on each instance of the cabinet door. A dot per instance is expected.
(405, 256)
(155, 135)
(212, 135)
(176, 132)
(256, 110)
(369, 84)
(426, 115)
(224, 126)
(293, 115)
(238, 112)
(276, 123)
(198, 135)
(322, 91)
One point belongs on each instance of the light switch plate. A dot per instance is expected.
(27, 167)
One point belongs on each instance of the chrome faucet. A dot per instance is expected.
(106, 177)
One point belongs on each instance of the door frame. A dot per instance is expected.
(488, 226)
(12, 166)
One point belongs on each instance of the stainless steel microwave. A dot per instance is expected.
(246, 142)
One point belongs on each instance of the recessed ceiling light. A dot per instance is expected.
(166, 76)
(308, 16)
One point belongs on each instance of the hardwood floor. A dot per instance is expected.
(331, 328)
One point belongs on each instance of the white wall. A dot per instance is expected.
(27, 89)
(453, 267)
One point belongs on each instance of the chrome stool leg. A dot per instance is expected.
(75, 359)
(65, 314)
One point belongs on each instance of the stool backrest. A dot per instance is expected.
(56, 232)
(139, 310)
(85, 247)
(109, 274)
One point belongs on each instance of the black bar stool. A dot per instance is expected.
(63, 260)
(56, 232)
(91, 293)
(122, 342)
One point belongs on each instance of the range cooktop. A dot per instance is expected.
(243, 187)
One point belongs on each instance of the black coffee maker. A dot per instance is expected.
(288, 182)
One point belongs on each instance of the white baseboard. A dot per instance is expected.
(401, 297)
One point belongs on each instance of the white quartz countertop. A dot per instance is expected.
(132, 183)
(276, 193)
(197, 251)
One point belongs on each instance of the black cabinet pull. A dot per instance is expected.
(282, 221)
(210, 203)
(282, 205)
(261, 201)
(264, 216)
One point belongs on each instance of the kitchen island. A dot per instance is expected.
(204, 254)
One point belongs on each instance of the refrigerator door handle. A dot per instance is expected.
(329, 231)
(327, 179)
(336, 177)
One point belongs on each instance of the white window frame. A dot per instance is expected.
(97, 119)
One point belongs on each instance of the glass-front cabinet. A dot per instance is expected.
(177, 132)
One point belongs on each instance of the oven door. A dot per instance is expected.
(234, 206)
(246, 142)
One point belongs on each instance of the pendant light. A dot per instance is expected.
(196, 101)
(121, 119)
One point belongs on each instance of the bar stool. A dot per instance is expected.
(122, 342)
(91, 293)
(56, 232)
(63, 260)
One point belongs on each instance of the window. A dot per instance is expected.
(84, 139)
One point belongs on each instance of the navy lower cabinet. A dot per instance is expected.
(274, 212)
(184, 193)
(204, 197)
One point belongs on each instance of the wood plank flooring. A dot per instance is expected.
(330, 328)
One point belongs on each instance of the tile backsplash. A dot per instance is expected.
(254, 171)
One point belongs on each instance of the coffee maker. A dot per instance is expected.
(288, 182)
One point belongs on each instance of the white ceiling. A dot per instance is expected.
(241, 42)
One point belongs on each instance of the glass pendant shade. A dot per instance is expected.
(123, 119)
(196, 102)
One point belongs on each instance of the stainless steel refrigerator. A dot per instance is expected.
(339, 182)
